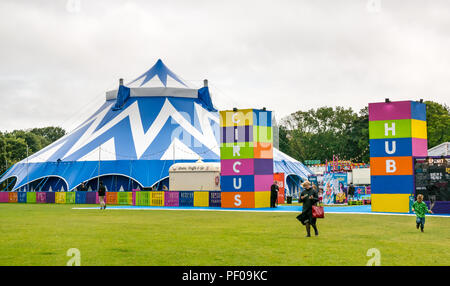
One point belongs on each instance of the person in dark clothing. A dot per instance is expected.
(101, 195)
(83, 187)
(351, 191)
(308, 197)
(273, 194)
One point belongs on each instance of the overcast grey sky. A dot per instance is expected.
(57, 58)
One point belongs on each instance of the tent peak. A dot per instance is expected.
(159, 75)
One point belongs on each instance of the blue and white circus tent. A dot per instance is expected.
(133, 138)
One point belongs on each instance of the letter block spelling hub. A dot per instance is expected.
(246, 158)
(397, 133)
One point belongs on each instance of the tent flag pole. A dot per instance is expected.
(28, 179)
(98, 173)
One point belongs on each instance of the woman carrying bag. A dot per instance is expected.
(309, 198)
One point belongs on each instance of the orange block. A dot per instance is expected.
(263, 150)
(12, 197)
(382, 166)
(238, 199)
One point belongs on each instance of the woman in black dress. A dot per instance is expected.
(308, 197)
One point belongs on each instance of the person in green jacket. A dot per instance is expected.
(420, 208)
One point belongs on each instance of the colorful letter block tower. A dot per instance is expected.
(246, 158)
(397, 133)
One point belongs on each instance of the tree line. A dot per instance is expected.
(13, 145)
(318, 134)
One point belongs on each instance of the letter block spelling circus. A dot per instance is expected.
(246, 158)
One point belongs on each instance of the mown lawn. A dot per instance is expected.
(41, 234)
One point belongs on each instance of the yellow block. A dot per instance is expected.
(418, 129)
(397, 203)
(241, 117)
(157, 199)
(60, 198)
(201, 199)
(262, 199)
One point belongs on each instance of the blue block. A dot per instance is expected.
(186, 199)
(80, 197)
(403, 147)
(403, 184)
(418, 111)
(21, 197)
(262, 118)
(245, 183)
(215, 199)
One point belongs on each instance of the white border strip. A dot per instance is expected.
(240, 210)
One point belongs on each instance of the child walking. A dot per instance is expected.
(420, 208)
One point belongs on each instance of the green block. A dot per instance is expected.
(123, 198)
(142, 198)
(31, 197)
(243, 153)
(262, 134)
(70, 197)
(377, 129)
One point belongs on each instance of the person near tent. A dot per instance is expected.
(101, 195)
(273, 194)
(351, 191)
(83, 187)
(308, 197)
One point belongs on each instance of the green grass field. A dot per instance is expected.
(41, 234)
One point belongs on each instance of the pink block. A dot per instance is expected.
(41, 197)
(97, 201)
(171, 199)
(229, 167)
(135, 190)
(390, 110)
(263, 182)
(4, 197)
(134, 198)
(419, 147)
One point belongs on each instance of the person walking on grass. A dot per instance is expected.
(273, 194)
(308, 197)
(420, 208)
(101, 195)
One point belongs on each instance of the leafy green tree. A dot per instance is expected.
(438, 123)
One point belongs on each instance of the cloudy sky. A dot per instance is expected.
(57, 58)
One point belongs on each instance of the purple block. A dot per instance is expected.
(263, 183)
(231, 167)
(41, 197)
(50, 198)
(419, 147)
(91, 197)
(4, 197)
(233, 134)
(263, 167)
(390, 111)
(171, 199)
(440, 207)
